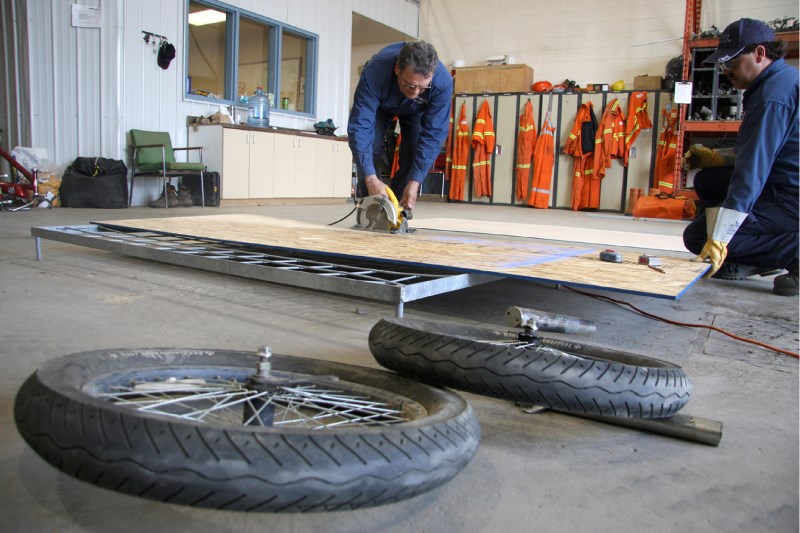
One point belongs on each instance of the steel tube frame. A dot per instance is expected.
(307, 271)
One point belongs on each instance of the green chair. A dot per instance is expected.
(154, 156)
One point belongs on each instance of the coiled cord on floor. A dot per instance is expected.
(684, 324)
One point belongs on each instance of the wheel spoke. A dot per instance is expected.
(230, 401)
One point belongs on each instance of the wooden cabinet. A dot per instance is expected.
(295, 166)
(495, 79)
(247, 164)
(333, 161)
(255, 163)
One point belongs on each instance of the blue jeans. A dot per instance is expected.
(409, 128)
(768, 237)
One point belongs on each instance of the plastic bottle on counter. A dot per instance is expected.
(258, 109)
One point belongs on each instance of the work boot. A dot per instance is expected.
(185, 197)
(171, 200)
(736, 272)
(786, 284)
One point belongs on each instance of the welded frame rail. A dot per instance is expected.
(350, 278)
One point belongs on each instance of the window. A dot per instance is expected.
(232, 52)
(208, 32)
(253, 61)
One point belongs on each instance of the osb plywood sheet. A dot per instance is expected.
(533, 261)
(607, 238)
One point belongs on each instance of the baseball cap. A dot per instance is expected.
(738, 36)
(165, 55)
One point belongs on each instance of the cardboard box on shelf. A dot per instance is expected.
(495, 79)
(647, 83)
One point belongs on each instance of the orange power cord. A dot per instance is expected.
(713, 328)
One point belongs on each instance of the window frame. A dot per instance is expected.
(275, 54)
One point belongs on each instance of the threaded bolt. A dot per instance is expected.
(264, 363)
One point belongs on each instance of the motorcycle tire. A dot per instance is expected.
(169, 425)
(560, 375)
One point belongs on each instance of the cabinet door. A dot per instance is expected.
(284, 167)
(306, 167)
(334, 169)
(262, 169)
(326, 161)
(235, 163)
(342, 170)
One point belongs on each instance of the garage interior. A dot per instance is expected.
(533, 470)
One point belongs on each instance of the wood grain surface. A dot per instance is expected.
(571, 265)
(604, 237)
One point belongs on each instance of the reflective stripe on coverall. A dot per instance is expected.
(637, 120)
(458, 170)
(584, 187)
(664, 175)
(526, 139)
(543, 158)
(483, 147)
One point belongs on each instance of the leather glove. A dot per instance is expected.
(721, 225)
(715, 252)
(698, 156)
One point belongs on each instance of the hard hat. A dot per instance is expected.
(541, 86)
(618, 86)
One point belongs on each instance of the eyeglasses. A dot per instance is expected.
(729, 64)
(420, 88)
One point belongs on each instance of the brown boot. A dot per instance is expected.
(185, 196)
(171, 199)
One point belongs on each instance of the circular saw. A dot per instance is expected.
(382, 213)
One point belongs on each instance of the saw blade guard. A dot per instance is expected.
(380, 212)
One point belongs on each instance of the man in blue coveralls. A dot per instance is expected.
(406, 80)
(751, 195)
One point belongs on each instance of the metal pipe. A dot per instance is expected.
(542, 321)
(691, 428)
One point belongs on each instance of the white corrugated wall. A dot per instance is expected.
(14, 100)
(75, 89)
(90, 86)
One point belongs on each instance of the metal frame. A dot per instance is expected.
(300, 269)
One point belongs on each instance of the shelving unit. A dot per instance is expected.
(714, 97)
(694, 51)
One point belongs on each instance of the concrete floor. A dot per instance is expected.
(542, 472)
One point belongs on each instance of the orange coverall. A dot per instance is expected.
(448, 158)
(637, 120)
(544, 156)
(585, 189)
(610, 140)
(483, 147)
(664, 175)
(526, 139)
(458, 170)
(396, 156)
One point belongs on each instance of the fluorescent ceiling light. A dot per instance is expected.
(207, 16)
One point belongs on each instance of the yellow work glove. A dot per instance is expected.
(714, 252)
(698, 156)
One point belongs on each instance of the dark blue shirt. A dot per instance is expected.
(767, 145)
(378, 89)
